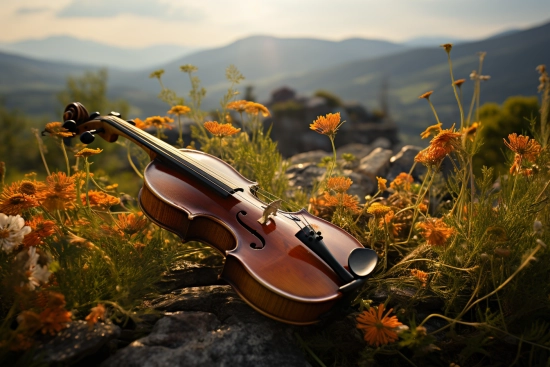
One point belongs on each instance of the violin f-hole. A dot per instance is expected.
(252, 231)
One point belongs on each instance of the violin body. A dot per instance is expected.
(279, 276)
(290, 266)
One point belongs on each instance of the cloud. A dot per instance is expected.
(145, 8)
(32, 10)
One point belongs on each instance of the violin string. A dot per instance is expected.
(175, 153)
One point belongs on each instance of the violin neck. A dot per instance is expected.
(158, 149)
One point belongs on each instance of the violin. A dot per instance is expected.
(290, 266)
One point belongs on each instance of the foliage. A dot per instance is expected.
(514, 116)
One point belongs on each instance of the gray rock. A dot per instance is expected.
(381, 142)
(362, 185)
(303, 175)
(225, 332)
(76, 342)
(313, 156)
(358, 150)
(188, 274)
(403, 161)
(376, 163)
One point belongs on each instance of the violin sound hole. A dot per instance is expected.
(252, 231)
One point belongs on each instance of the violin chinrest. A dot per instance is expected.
(362, 261)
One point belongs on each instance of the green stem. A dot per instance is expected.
(87, 182)
(41, 149)
(333, 158)
(456, 93)
(66, 159)
(435, 113)
(131, 162)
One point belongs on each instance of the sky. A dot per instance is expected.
(213, 23)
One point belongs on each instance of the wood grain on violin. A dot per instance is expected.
(200, 197)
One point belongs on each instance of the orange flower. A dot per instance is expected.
(220, 130)
(403, 182)
(459, 82)
(435, 231)
(239, 106)
(254, 108)
(56, 129)
(426, 95)
(140, 124)
(327, 125)
(524, 146)
(420, 275)
(60, 192)
(159, 122)
(131, 223)
(381, 184)
(100, 200)
(88, 152)
(431, 156)
(470, 132)
(447, 139)
(339, 184)
(342, 199)
(54, 320)
(447, 47)
(97, 313)
(13, 202)
(389, 221)
(434, 129)
(379, 328)
(40, 229)
(31, 187)
(179, 110)
(378, 210)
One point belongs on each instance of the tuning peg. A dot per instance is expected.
(94, 115)
(70, 125)
(131, 122)
(88, 137)
(116, 114)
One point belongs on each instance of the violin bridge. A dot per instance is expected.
(270, 210)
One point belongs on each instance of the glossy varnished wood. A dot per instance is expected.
(284, 279)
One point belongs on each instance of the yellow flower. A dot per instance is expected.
(56, 129)
(239, 106)
(470, 132)
(378, 210)
(156, 74)
(342, 199)
(327, 125)
(88, 152)
(255, 108)
(379, 328)
(403, 181)
(434, 129)
(435, 231)
(431, 156)
(339, 184)
(381, 184)
(179, 110)
(159, 122)
(220, 130)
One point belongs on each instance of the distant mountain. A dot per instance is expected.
(78, 51)
(433, 41)
(263, 58)
(510, 61)
(353, 69)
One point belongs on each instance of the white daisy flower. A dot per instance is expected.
(36, 274)
(12, 231)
